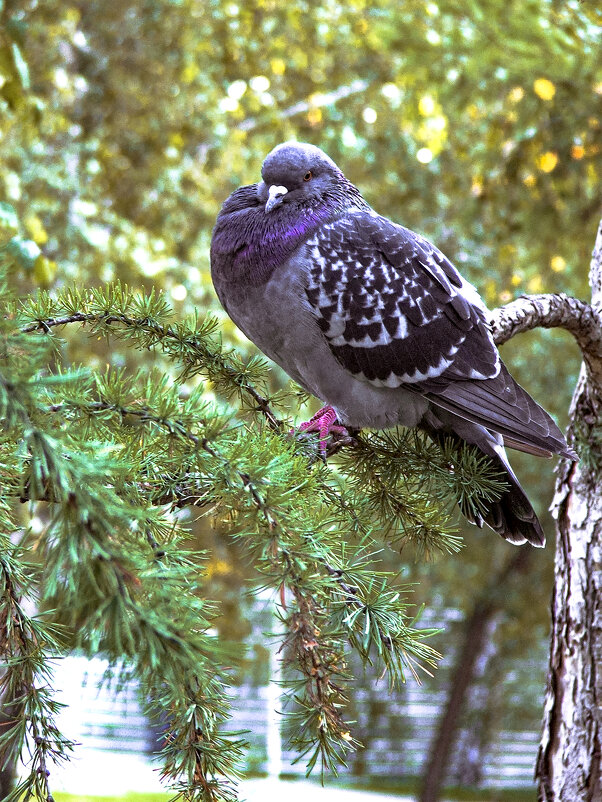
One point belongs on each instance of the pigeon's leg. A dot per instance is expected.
(325, 423)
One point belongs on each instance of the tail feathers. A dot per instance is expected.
(512, 515)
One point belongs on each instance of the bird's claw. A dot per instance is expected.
(325, 423)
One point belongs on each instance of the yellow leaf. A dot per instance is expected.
(544, 88)
(218, 568)
(557, 263)
(507, 253)
(535, 284)
(73, 16)
(473, 111)
(426, 105)
(278, 66)
(314, 116)
(189, 73)
(490, 290)
(36, 229)
(44, 271)
(477, 187)
(547, 161)
(516, 94)
(577, 151)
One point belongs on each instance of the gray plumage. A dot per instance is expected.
(373, 319)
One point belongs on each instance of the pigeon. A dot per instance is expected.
(374, 320)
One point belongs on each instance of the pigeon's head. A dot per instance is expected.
(300, 174)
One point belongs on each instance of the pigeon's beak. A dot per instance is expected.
(275, 196)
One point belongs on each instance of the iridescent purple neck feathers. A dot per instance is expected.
(249, 243)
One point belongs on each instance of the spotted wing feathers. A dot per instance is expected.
(393, 308)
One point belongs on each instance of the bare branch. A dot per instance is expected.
(327, 99)
(545, 311)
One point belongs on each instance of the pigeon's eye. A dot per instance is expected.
(308, 176)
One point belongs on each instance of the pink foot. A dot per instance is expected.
(324, 422)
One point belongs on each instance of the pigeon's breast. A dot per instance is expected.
(277, 317)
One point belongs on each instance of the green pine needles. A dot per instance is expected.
(108, 459)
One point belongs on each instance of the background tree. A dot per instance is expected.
(424, 105)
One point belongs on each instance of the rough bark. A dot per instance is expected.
(570, 753)
(477, 624)
(549, 311)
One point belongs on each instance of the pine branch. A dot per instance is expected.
(191, 346)
(92, 565)
(27, 646)
(317, 724)
(173, 343)
(287, 554)
(292, 513)
(143, 414)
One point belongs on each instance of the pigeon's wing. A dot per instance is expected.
(393, 309)
(503, 405)
(396, 312)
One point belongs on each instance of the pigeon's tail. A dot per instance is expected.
(512, 515)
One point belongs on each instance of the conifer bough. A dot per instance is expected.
(115, 455)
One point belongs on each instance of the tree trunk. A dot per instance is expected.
(570, 754)
(476, 627)
(481, 708)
